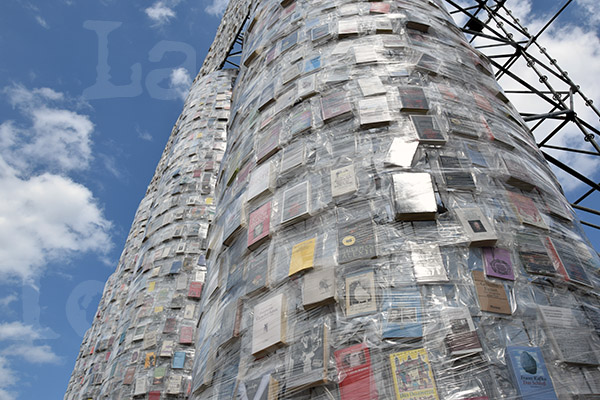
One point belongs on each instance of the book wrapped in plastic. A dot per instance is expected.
(141, 343)
(386, 227)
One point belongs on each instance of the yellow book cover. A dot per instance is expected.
(413, 378)
(303, 256)
(151, 287)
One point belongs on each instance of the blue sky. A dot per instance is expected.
(90, 92)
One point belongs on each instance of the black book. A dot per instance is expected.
(309, 357)
(413, 99)
(428, 129)
(356, 242)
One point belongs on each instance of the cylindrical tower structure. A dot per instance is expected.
(386, 225)
(141, 343)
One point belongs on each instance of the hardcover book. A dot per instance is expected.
(195, 290)
(267, 143)
(260, 181)
(186, 335)
(300, 121)
(356, 241)
(178, 360)
(477, 227)
(402, 313)
(174, 384)
(361, 297)
(526, 210)
(567, 263)
(462, 337)
(295, 203)
(356, 374)
(373, 111)
(414, 196)
(412, 375)
(269, 325)
(303, 256)
(428, 129)
(318, 288)
(401, 152)
(428, 265)
(335, 105)
(413, 99)
(529, 373)
(293, 157)
(256, 274)
(259, 226)
(309, 357)
(371, 86)
(492, 296)
(498, 263)
(307, 86)
(265, 387)
(343, 181)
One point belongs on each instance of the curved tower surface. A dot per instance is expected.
(382, 225)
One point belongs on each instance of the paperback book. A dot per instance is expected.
(402, 313)
(357, 381)
(269, 325)
(356, 241)
(529, 373)
(361, 297)
(308, 359)
(412, 375)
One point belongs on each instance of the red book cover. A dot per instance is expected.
(186, 335)
(154, 395)
(258, 225)
(355, 373)
(195, 290)
(128, 379)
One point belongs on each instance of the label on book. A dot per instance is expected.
(412, 375)
(492, 296)
(303, 256)
(355, 373)
(361, 297)
(498, 263)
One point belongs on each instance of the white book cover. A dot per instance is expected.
(141, 386)
(428, 264)
(374, 110)
(268, 328)
(260, 181)
(343, 181)
(402, 152)
(371, 86)
(414, 195)
(478, 228)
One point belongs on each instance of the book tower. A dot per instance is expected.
(380, 225)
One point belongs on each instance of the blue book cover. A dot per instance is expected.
(178, 359)
(529, 373)
(402, 313)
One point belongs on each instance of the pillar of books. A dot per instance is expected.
(141, 342)
(386, 227)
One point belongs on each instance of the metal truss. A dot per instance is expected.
(494, 30)
(235, 51)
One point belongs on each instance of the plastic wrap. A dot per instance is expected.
(386, 226)
(141, 343)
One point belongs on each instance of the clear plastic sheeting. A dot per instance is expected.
(141, 343)
(386, 227)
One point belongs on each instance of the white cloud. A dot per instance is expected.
(17, 331)
(5, 302)
(217, 7)
(180, 80)
(161, 12)
(8, 379)
(45, 216)
(42, 22)
(33, 354)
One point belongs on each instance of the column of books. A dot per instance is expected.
(386, 225)
(141, 343)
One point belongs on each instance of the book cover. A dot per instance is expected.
(356, 380)
(402, 313)
(414, 197)
(141, 386)
(529, 373)
(370, 86)
(428, 264)
(269, 325)
(361, 297)
(195, 290)
(373, 111)
(159, 375)
(295, 203)
(186, 335)
(412, 375)
(462, 337)
(260, 181)
(303, 256)
(174, 384)
(178, 360)
(566, 262)
(343, 181)
(478, 228)
(492, 296)
(413, 99)
(526, 210)
(129, 374)
(256, 274)
(267, 144)
(356, 242)
(461, 125)
(166, 350)
(335, 105)
(259, 226)
(320, 32)
(265, 387)
(401, 152)
(308, 360)
(537, 262)
(300, 121)
(307, 86)
(150, 360)
(293, 157)
(318, 288)
(428, 129)
(498, 263)
(475, 155)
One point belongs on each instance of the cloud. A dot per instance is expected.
(217, 7)
(33, 354)
(180, 80)
(17, 331)
(42, 22)
(5, 302)
(8, 379)
(161, 12)
(45, 216)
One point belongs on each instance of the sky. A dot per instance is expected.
(89, 93)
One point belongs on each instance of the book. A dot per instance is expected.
(265, 387)
(259, 223)
(492, 296)
(526, 210)
(261, 181)
(335, 105)
(303, 256)
(459, 124)
(269, 325)
(475, 155)
(178, 360)
(129, 375)
(356, 241)
(300, 121)
(174, 384)
(498, 263)
(195, 290)
(320, 33)
(186, 335)
(364, 54)
(518, 174)
(428, 129)
(318, 288)
(293, 157)
(154, 395)
(428, 265)
(361, 297)
(166, 350)
(414, 197)
(307, 86)
(462, 337)
(141, 386)
(477, 227)
(529, 373)
(256, 274)
(295, 203)
(355, 372)
(267, 143)
(159, 375)
(347, 27)
(570, 340)
(566, 262)
(373, 111)
(412, 375)
(343, 181)
(401, 152)
(150, 360)
(413, 99)
(534, 255)
(402, 313)
(308, 359)
(371, 85)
